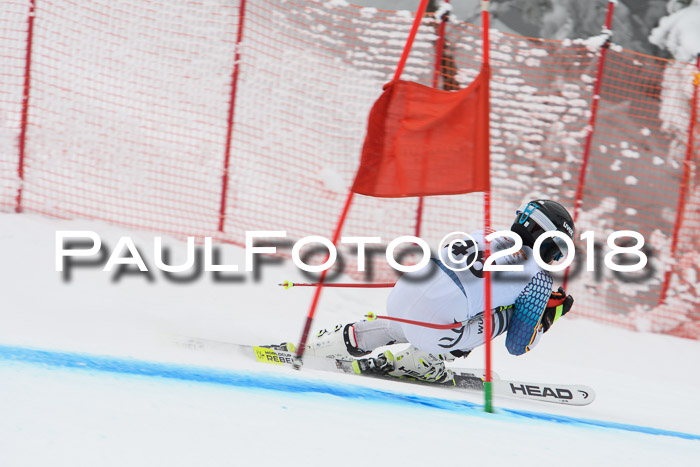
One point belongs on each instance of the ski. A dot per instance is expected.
(473, 380)
(280, 355)
(466, 379)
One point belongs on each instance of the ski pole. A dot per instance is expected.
(456, 325)
(289, 284)
(459, 324)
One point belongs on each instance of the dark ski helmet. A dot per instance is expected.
(540, 216)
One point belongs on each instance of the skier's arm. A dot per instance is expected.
(525, 330)
(557, 306)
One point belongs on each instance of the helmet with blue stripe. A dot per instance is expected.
(534, 218)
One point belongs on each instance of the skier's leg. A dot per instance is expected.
(435, 299)
(411, 301)
(338, 342)
(418, 364)
(409, 362)
(354, 339)
(373, 334)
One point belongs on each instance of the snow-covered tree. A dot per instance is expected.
(559, 19)
(679, 33)
(573, 19)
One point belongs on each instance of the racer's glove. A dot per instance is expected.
(558, 305)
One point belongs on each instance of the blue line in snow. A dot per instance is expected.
(288, 384)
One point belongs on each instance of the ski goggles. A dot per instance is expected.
(552, 248)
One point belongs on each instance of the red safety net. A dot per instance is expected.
(182, 117)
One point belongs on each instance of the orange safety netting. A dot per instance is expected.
(129, 117)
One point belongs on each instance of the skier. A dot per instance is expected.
(524, 304)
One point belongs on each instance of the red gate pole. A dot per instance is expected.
(419, 216)
(336, 234)
(411, 36)
(439, 47)
(686, 176)
(231, 110)
(319, 284)
(578, 200)
(25, 104)
(488, 395)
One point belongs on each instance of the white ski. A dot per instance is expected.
(466, 379)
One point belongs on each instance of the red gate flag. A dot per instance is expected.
(423, 141)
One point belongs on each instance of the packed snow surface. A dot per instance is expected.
(91, 376)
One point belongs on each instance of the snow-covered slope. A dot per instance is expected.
(67, 416)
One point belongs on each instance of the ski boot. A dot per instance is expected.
(338, 343)
(409, 363)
